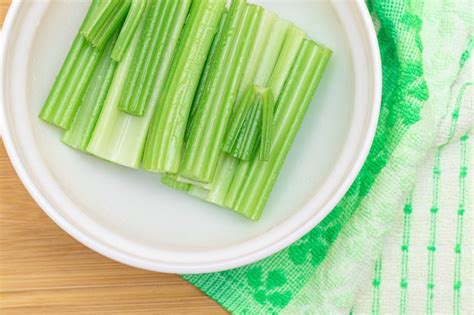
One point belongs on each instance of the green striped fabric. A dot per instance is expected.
(400, 240)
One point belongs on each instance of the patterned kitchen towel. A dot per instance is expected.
(423, 136)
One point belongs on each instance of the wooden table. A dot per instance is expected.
(44, 271)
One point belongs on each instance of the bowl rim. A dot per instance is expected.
(273, 247)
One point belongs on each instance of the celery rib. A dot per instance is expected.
(202, 87)
(260, 177)
(268, 106)
(265, 53)
(129, 28)
(140, 71)
(120, 137)
(165, 139)
(215, 106)
(69, 69)
(107, 19)
(246, 127)
(78, 136)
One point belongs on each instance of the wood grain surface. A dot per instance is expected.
(45, 271)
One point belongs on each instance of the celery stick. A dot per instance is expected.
(170, 180)
(291, 47)
(247, 140)
(165, 139)
(100, 18)
(78, 136)
(108, 18)
(139, 79)
(216, 44)
(120, 137)
(73, 93)
(238, 120)
(268, 106)
(295, 99)
(129, 28)
(267, 46)
(215, 106)
(246, 126)
(68, 70)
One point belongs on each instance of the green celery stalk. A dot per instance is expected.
(120, 137)
(69, 70)
(268, 107)
(265, 53)
(291, 47)
(284, 65)
(101, 16)
(246, 126)
(221, 90)
(74, 92)
(140, 77)
(129, 28)
(239, 119)
(247, 140)
(108, 18)
(80, 133)
(170, 180)
(165, 138)
(216, 43)
(299, 89)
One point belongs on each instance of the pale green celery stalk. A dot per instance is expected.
(78, 136)
(120, 137)
(129, 28)
(170, 180)
(267, 46)
(286, 60)
(165, 140)
(246, 142)
(139, 78)
(73, 92)
(296, 96)
(268, 108)
(68, 71)
(238, 119)
(108, 18)
(293, 40)
(216, 43)
(195, 183)
(242, 140)
(215, 106)
(101, 16)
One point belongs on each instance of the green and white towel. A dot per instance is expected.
(400, 241)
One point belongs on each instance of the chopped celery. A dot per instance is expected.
(265, 54)
(53, 107)
(165, 139)
(246, 126)
(211, 98)
(139, 82)
(129, 28)
(107, 19)
(80, 133)
(120, 137)
(291, 47)
(268, 107)
(211, 57)
(260, 176)
(214, 106)
(171, 181)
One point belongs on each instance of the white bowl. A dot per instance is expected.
(128, 215)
